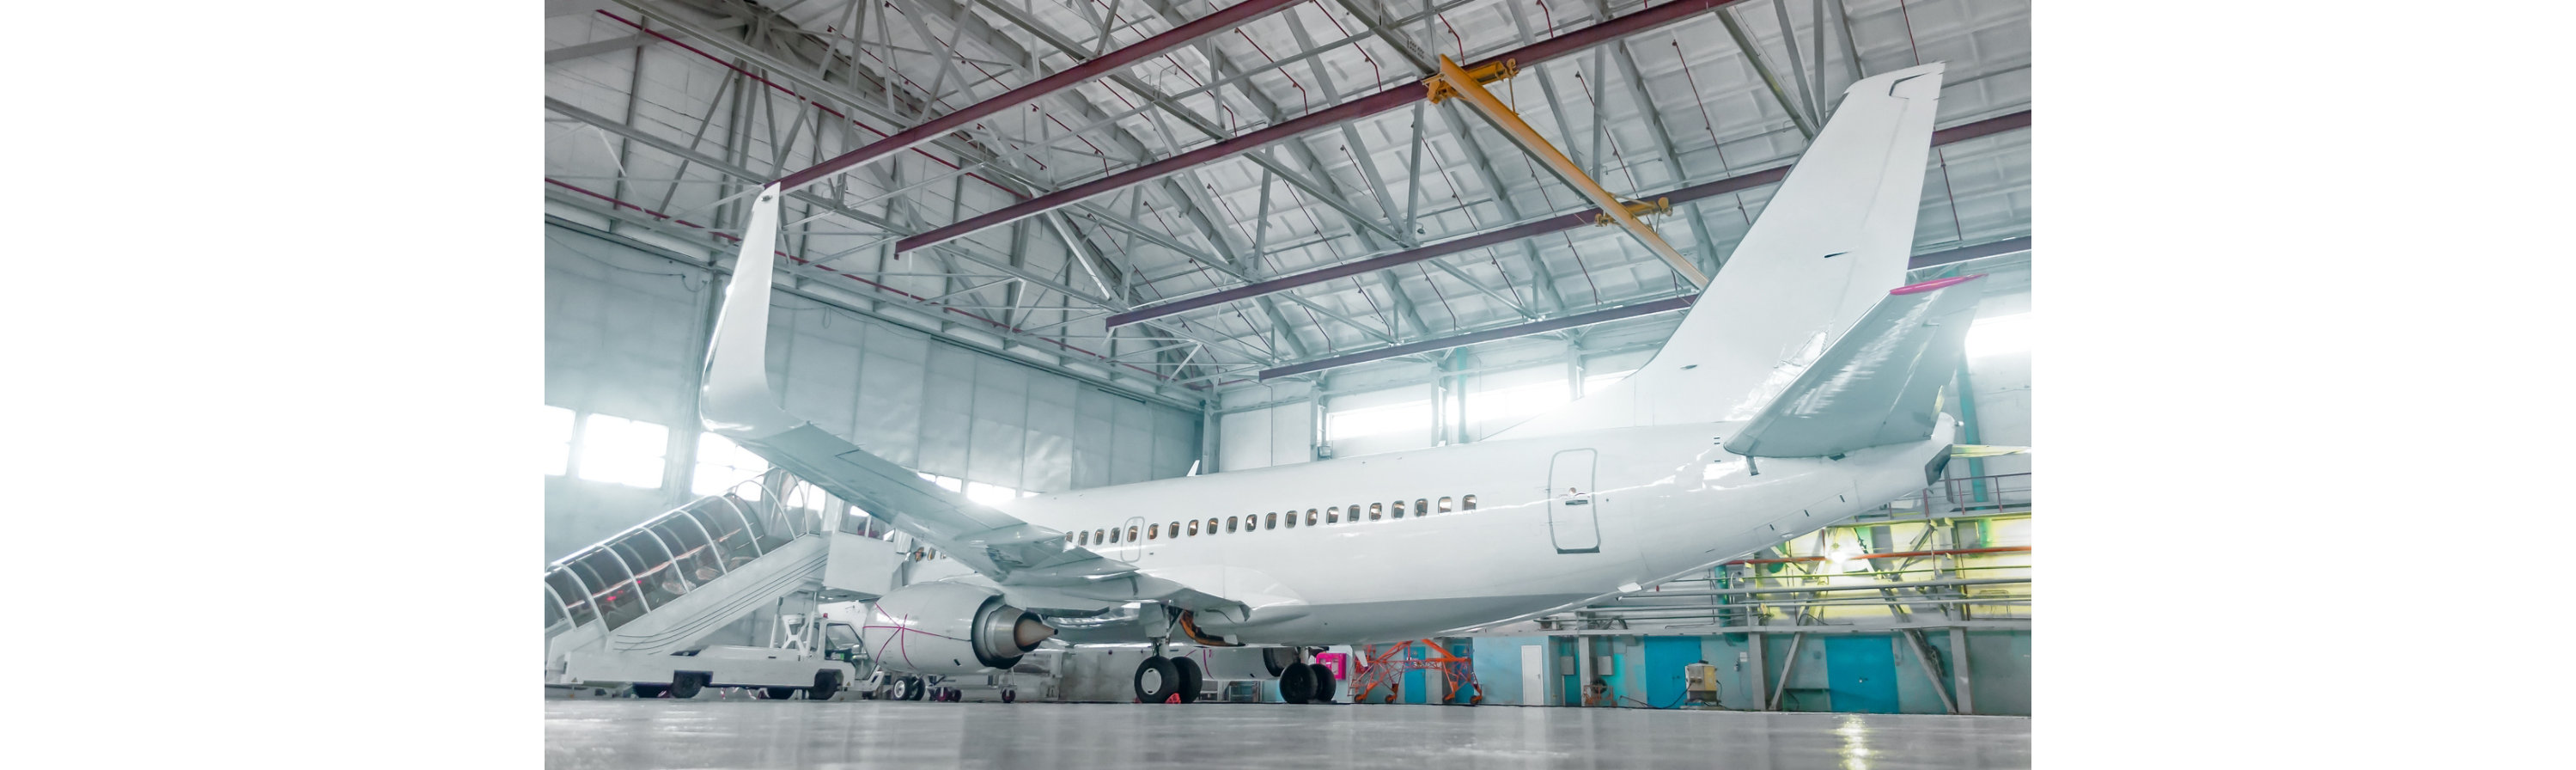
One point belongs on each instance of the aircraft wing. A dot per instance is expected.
(736, 402)
(1879, 384)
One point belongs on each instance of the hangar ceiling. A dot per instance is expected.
(1378, 224)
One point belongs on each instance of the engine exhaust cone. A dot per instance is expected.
(1029, 632)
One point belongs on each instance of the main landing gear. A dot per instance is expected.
(1162, 679)
(1167, 680)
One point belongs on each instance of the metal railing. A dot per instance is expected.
(625, 575)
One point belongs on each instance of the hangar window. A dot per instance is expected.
(622, 451)
(1230, 521)
(721, 464)
(559, 425)
(1467, 503)
(1310, 517)
(1153, 531)
(1395, 510)
(1377, 511)
(1333, 515)
(1131, 533)
(1194, 528)
(1446, 505)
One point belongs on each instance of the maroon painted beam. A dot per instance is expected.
(1383, 101)
(1068, 77)
(1530, 229)
(1489, 335)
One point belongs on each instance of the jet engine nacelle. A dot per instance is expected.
(949, 628)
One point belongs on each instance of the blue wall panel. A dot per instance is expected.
(1861, 674)
(1665, 657)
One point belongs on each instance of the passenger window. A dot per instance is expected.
(1194, 528)
(1113, 534)
(1153, 531)
(1131, 532)
(1421, 507)
(1333, 515)
(1175, 528)
(1272, 522)
(1099, 536)
(1467, 503)
(1292, 519)
(1211, 525)
(1229, 524)
(1445, 505)
(1086, 537)
(1310, 517)
(1068, 537)
(1395, 510)
(1377, 511)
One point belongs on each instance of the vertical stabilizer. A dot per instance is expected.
(1833, 241)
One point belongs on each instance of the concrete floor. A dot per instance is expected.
(754, 734)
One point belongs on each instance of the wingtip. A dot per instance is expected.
(1934, 284)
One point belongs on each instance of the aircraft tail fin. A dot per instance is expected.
(1878, 385)
(1832, 241)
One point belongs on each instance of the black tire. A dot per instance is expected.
(1156, 680)
(1009, 696)
(1278, 659)
(1297, 684)
(1326, 688)
(826, 684)
(1191, 678)
(651, 690)
(685, 685)
(911, 688)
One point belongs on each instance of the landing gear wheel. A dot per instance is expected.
(1297, 684)
(908, 689)
(651, 690)
(779, 693)
(1156, 680)
(1278, 659)
(1190, 678)
(826, 683)
(1325, 687)
(1009, 696)
(685, 685)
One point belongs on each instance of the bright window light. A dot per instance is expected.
(989, 494)
(723, 464)
(622, 451)
(1594, 383)
(952, 485)
(1521, 401)
(1413, 415)
(558, 427)
(2000, 335)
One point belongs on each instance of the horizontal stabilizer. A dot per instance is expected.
(1879, 384)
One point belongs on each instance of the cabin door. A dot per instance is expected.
(1573, 518)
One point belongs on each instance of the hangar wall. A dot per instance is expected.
(626, 330)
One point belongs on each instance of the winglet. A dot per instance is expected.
(734, 398)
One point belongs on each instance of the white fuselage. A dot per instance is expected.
(1550, 526)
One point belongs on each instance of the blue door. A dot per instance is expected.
(1665, 657)
(1860, 673)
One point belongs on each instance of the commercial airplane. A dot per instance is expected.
(1802, 387)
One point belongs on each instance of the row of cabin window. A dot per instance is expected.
(1314, 517)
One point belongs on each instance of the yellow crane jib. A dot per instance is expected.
(1455, 81)
(1638, 209)
(1486, 73)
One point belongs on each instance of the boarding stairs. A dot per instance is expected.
(668, 583)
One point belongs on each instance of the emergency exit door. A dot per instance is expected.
(1573, 510)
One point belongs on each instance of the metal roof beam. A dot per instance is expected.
(1069, 77)
(1394, 97)
(1528, 229)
